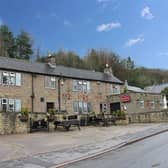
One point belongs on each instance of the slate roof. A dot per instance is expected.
(135, 89)
(156, 88)
(46, 69)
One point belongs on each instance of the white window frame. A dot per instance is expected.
(142, 104)
(81, 86)
(81, 107)
(50, 82)
(5, 74)
(2, 103)
(152, 104)
(115, 89)
(0, 77)
(18, 79)
(12, 76)
(18, 107)
(11, 102)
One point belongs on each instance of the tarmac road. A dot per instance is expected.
(149, 153)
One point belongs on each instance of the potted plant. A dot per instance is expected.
(51, 114)
(24, 114)
(121, 115)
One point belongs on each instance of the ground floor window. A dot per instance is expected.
(152, 104)
(142, 104)
(4, 103)
(11, 105)
(81, 107)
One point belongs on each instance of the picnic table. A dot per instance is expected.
(66, 121)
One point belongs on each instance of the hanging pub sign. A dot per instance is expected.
(125, 98)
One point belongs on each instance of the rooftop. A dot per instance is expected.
(156, 88)
(58, 70)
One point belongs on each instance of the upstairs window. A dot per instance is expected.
(115, 89)
(10, 78)
(79, 85)
(5, 78)
(18, 79)
(50, 82)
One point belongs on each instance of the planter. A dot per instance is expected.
(51, 119)
(23, 118)
(121, 118)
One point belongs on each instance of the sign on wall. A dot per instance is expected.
(125, 98)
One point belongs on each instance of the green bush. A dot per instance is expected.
(24, 111)
(51, 111)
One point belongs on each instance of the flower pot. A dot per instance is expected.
(23, 118)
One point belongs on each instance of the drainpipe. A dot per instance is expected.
(59, 95)
(32, 94)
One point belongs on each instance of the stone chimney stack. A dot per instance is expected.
(51, 60)
(108, 70)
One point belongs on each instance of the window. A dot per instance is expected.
(103, 107)
(11, 106)
(4, 104)
(115, 89)
(141, 104)
(81, 85)
(50, 82)
(81, 107)
(17, 105)
(152, 104)
(0, 77)
(76, 107)
(12, 78)
(5, 78)
(18, 79)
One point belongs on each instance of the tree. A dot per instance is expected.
(24, 46)
(7, 42)
(165, 92)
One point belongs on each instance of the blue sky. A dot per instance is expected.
(136, 28)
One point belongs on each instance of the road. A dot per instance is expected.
(148, 153)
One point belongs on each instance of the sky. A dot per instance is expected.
(136, 28)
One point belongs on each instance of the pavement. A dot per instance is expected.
(57, 149)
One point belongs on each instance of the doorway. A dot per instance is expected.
(115, 107)
(50, 105)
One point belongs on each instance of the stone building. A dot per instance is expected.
(139, 105)
(39, 87)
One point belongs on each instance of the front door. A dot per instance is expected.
(50, 105)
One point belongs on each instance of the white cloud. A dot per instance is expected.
(1, 22)
(67, 23)
(108, 26)
(134, 41)
(146, 13)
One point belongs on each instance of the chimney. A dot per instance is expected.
(108, 70)
(51, 61)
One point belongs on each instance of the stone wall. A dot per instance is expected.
(148, 117)
(10, 124)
